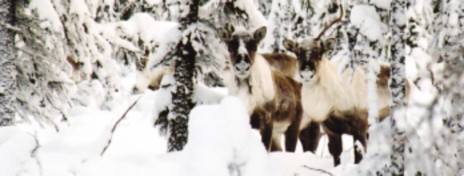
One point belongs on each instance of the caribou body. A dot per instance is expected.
(272, 98)
(336, 102)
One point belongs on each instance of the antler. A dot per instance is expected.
(331, 23)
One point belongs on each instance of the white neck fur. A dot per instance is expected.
(329, 92)
(261, 82)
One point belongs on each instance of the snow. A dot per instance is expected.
(79, 8)
(384, 4)
(257, 19)
(46, 12)
(368, 21)
(141, 26)
(220, 135)
(221, 141)
(16, 145)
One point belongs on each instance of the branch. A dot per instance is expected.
(11, 27)
(33, 54)
(317, 169)
(116, 125)
(34, 153)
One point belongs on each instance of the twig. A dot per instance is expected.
(11, 27)
(34, 153)
(320, 170)
(116, 125)
(32, 54)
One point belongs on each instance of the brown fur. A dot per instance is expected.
(382, 85)
(284, 63)
(76, 74)
(383, 76)
(284, 108)
(74, 64)
(310, 136)
(353, 121)
(274, 112)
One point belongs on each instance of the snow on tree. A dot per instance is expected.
(397, 85)
(281, 14)
(80, 53)
(74, 53)
(7, 63)
(44, 84)
(205, 53)
(196, 50)
(425, 144)
(447, 79)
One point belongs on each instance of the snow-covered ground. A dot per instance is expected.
(220, 142)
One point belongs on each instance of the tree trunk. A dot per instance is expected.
(452, 54)
(7, 63)
(182, 100)
(397, 60)
(449, 33)
(182, 96)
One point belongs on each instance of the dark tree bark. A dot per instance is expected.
(182, 100)
(397, 60)
(182, 96)
(7, 63)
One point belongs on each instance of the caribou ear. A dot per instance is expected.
(229, 27)
(290, 45)
(260, 33)
(226, 32)
(330, 44)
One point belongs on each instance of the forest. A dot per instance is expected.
(231, 87)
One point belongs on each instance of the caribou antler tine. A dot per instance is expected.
(338, 19)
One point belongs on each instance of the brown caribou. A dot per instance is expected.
(151, 77)
(337, 102)
(273, 99)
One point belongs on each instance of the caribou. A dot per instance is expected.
(336, 102)
(150, 78)
(272, 98)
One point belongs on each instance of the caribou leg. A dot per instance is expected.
(358, 154)
(335, 147)
(266, 134)
(360, 133)
(293, 131)
(291, 137)
(310, 137)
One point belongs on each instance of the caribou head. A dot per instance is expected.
(242, 46)
(310, 51)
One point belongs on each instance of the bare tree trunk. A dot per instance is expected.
(7, 63)
(397, 60)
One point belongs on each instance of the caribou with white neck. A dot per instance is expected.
(273, 99)
(337, 102)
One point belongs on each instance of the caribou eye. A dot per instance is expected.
(233, 45)
(251, 46)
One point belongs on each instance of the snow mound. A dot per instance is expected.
(221, 142)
